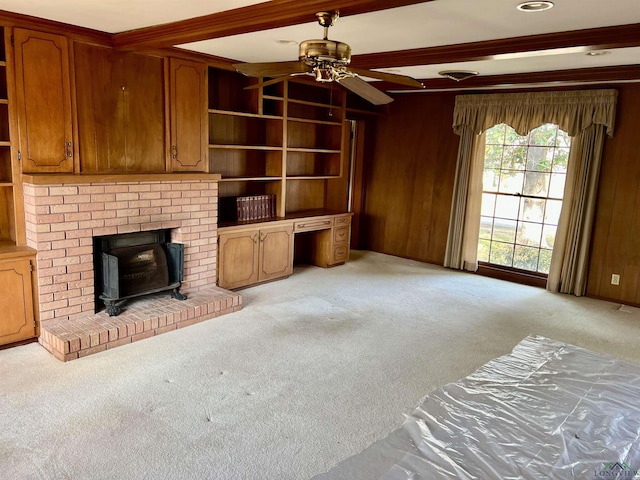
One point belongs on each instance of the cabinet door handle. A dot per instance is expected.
(255, 238)
(174, 152)
(69, 147)
(262, 237)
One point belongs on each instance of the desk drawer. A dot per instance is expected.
(343, 220)
(311, 225)
(340, 254)
(341, 234)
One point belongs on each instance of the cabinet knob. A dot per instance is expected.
(69, 147)
(174, 152)
(255, 238)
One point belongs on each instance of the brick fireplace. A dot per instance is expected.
(63, 214)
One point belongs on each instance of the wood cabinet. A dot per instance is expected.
(16, 302)
(188, 116)
(120, 103)
(330, 243)
(44, 102)
(255, 255)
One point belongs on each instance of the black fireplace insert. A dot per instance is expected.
(135, 264)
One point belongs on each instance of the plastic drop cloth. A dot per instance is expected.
(548, 410)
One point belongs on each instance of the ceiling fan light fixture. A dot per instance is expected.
(539, 6)
(458, 75)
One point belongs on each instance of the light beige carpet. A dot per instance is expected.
(312, 370)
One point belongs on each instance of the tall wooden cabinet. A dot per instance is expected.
(44, 101)
(188, 115)
(17, 321)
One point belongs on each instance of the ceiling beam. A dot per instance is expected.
(592, 39)
(618, 73)
(262, 16)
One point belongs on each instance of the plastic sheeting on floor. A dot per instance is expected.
(547, 410)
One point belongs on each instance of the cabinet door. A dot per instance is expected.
(16, 301)
(238, 259)
(44, 101)
(188, 93)
(276, 252)
(120, 99)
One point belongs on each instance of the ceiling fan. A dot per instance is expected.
(328, 60)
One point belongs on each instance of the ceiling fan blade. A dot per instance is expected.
(387, 77)
(365, 90)
(271, 69)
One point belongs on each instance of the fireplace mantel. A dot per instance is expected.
(70, 179)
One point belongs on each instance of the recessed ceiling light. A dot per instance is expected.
(535, 6)
(597, 53)
(458, 75)
(287, 42)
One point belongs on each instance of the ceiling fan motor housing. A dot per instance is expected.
(314, 51)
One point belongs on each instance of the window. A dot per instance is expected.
(523, 185)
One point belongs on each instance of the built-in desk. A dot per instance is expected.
(260, 251)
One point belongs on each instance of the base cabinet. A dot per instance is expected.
(257, 255)
(16, 302)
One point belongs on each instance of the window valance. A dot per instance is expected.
(573, 111)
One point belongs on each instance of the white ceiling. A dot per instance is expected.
(436, 23)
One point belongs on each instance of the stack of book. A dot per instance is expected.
(248, 207)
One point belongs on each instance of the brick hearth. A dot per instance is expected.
(64, 214)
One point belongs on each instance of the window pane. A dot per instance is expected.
(552, 212)
(490, 180)
(543, 135)
(504, 230)
(501, 254)
(556, 190)
(493, 156)
(563, 139)
(560, 160)
(539, 159)
(532, 209)
(486, 224)
(536, 184)
(512, 138)
(507, 207)
(488, 204)
(495, 135)
(511, 181)
(544, 263)
(483, 250)
(515, 158)
(526, 258)
(548, 236)
(529, 234)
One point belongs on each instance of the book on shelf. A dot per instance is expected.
(247, 208)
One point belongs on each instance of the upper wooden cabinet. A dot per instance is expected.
(188, 115)
(120, 103)
(44, 101)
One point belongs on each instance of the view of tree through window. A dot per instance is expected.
(523, 184)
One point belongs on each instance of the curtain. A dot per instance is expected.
(586, 115)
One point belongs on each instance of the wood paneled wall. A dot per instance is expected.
(615, 246)
(409, 178)
(410, 175)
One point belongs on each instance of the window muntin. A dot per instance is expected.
(523, 185)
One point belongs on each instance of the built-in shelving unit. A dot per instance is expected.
(285, 139)
(7, 215)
